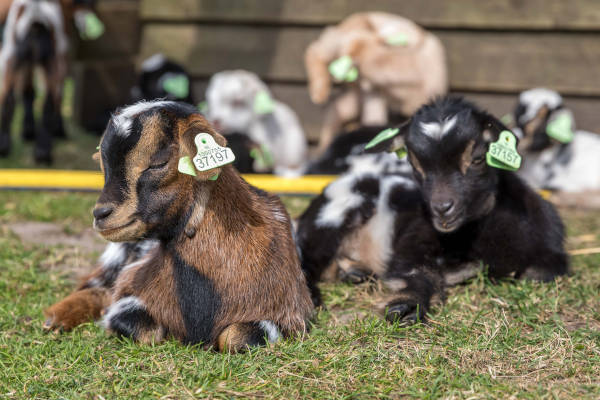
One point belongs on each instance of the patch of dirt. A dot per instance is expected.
(72, 254)
(50, 234)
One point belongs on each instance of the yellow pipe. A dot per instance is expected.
(92, 180)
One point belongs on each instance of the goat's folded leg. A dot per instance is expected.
(239, 336)
(79, 307)
(413, 290)
(129, 317)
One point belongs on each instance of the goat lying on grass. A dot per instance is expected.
(419, 235)
(223, 269)
(557, 156)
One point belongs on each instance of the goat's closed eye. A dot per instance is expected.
(159, 165)
(478, 160)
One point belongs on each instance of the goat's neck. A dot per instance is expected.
(222, 211)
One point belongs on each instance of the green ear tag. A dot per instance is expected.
(503, 153)
(214, 177)
(263, 157)
(203, 107)
(94, 28)
(560, 128)
(382, 136)
(176, 84)
(401, 152)
(507, 119)
(186, 166)
(263, 103)
(397, 39)
(343, 69)
(210, 154)
(98, 147)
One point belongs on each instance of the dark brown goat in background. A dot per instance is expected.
(214, 262)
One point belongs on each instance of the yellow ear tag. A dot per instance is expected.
(210, 154)
(185, 166)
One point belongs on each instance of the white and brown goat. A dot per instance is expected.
(205, 260)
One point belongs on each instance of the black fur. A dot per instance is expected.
(495, 218)
(150, 83)
(198, 299)
(131, 322)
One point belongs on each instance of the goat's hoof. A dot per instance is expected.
(42, 156)
(404, 313)
(354, 276)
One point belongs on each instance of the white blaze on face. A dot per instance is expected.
(437, 130)
(535, 99)
(124, 118)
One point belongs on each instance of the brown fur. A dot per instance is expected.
(239, 240)
(398, 77)
(79, 307)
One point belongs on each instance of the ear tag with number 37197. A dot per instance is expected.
(210, 155)
(503, 153)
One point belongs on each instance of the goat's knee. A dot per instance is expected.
(79, 307)
(128, 317)
(239, 336)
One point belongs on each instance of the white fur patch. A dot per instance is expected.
(271, 329)
(437, 130)
(341, 200)
(125, 304)
(381, 225)
(114, 254)
(153, 63)
(124, 118)
(535, 99)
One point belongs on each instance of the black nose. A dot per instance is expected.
(102, 212)
(443, 208)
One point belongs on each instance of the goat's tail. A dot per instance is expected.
(37, 47)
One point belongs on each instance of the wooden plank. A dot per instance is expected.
(485, 61)
(498, 14)
(100, 87)
(121, 37)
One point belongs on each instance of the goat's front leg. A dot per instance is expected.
(414, 289)
(129, 317)
(28, 99)
(79, 307)
(8, 107)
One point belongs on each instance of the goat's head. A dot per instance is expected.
(537, 118)
(144, 193)
(446, 142)
(235, 99)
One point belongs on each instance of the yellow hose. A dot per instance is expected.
(92, 180)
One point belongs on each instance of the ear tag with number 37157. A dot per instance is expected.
(210, 155)
(503, 153)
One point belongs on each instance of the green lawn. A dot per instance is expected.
(512, 339)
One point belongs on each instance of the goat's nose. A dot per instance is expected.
(102, 212)
(444, 207)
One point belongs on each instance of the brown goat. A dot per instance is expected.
(221, 268)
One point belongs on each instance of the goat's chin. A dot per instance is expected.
(445, 226)
(133, 230)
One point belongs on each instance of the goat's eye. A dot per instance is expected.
(159, 165)
(478, 160)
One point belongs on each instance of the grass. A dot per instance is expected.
(512, 339)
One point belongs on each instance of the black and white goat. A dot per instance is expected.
(556, 155)
(422, 233)
(161, 78)
(34, 35)
(346, 155)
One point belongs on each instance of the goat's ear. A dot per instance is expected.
(188, 149)
(492, 127)
(390, 139)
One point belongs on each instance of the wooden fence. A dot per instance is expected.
(495, 48)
